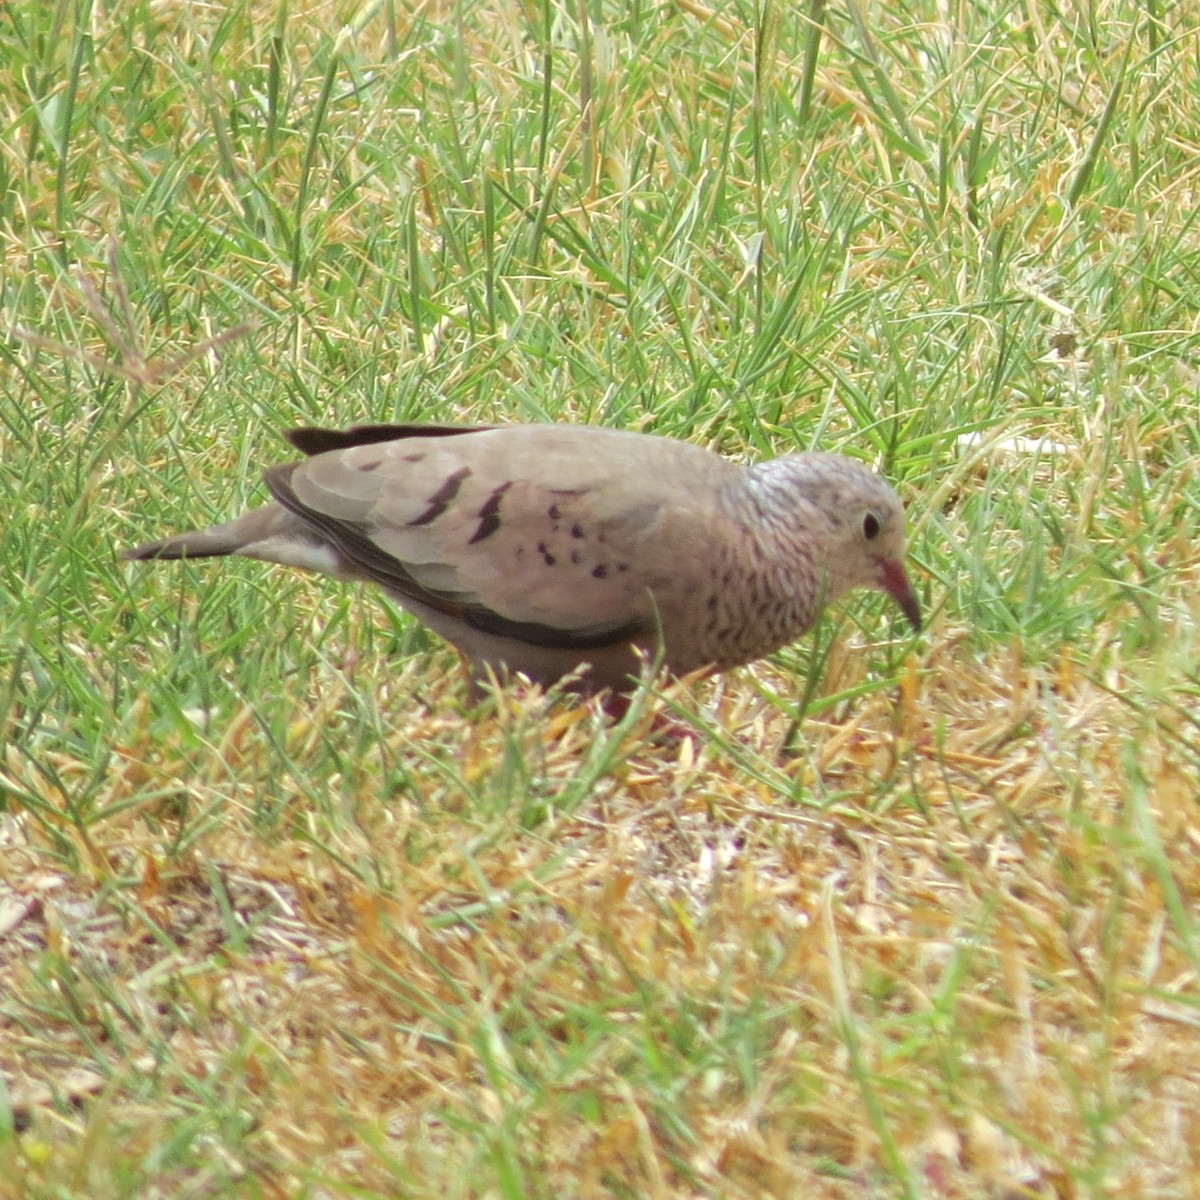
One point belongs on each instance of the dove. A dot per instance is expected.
(555, 550)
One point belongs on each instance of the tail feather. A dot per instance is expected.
(270, 533)
(195, 543)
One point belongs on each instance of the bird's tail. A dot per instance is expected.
(270, 533)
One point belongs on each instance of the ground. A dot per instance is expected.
(286, 909)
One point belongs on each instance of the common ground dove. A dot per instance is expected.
(541, 548)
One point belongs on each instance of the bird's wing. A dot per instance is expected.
(563, 536)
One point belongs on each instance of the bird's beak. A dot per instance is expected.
(894, 580)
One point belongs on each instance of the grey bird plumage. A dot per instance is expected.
(541, 548)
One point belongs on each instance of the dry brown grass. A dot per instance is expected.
(948, 956)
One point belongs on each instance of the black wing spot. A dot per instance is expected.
(600, 571)
(489, 515)
(442, 498)
(373, 465)
(547, 557)
(577, 530)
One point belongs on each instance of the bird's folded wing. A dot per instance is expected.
(556, 539)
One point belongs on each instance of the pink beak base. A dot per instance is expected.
(896, 584)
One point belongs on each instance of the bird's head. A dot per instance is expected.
(863, 535)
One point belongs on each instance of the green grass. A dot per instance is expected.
(284, 912)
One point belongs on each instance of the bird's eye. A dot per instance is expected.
(870, 527)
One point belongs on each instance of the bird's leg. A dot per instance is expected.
(661, 727)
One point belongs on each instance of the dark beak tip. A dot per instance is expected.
(897, 584)
(912, 611)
